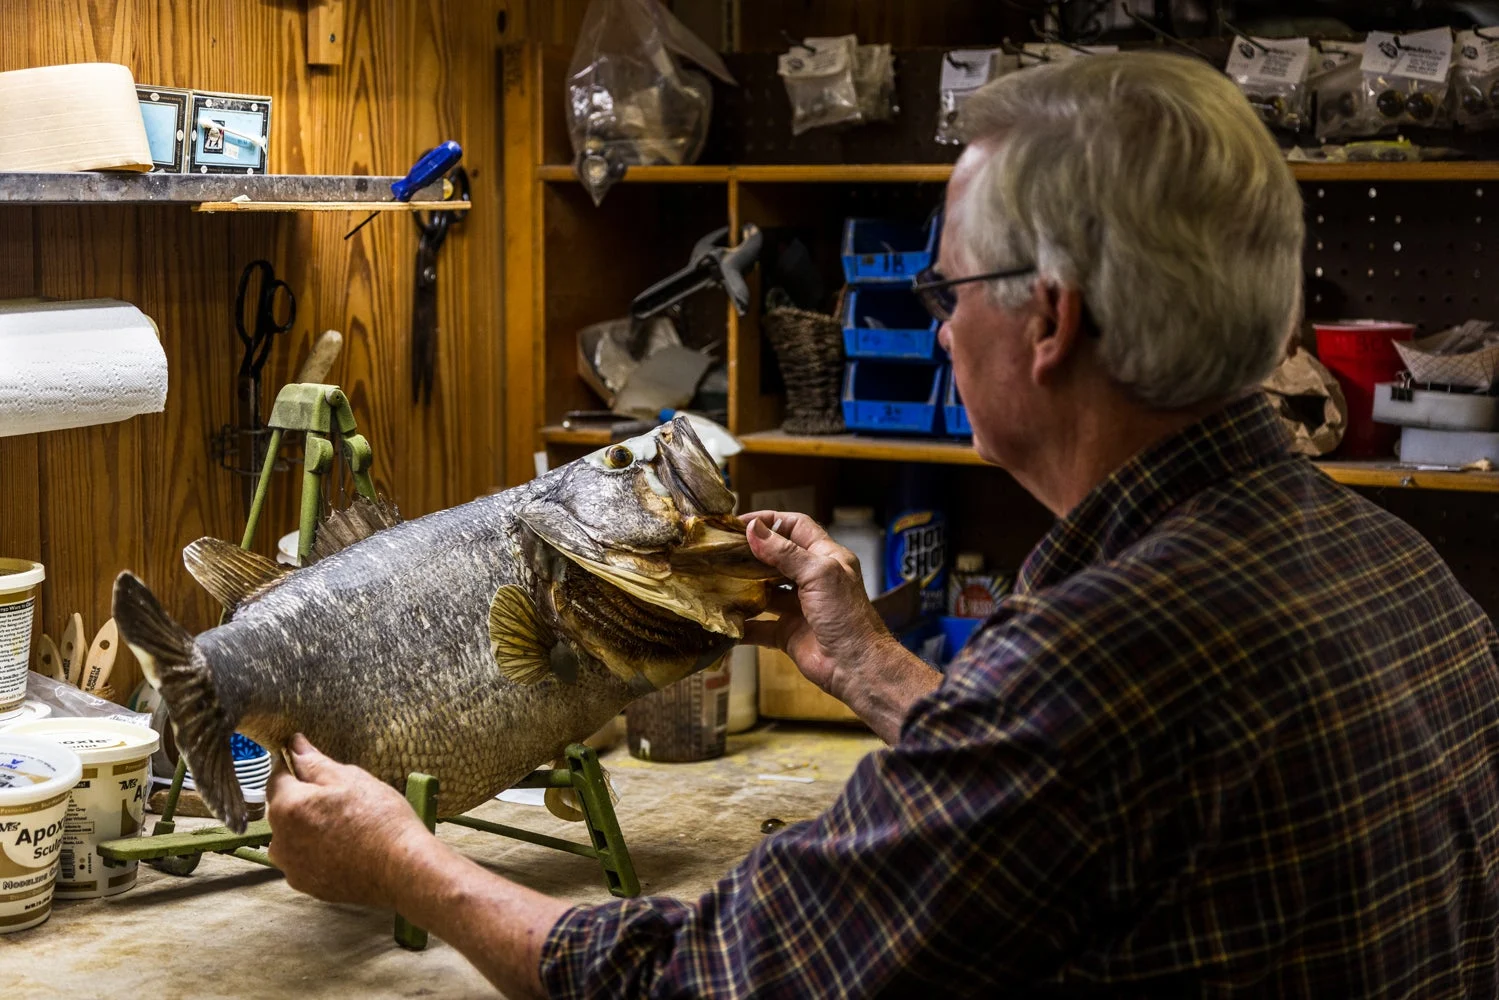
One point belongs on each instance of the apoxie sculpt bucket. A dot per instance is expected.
(109, 801)
(20, 579)
(36, 777)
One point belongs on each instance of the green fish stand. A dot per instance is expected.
(322, 412)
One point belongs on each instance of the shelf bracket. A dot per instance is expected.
(325, 32)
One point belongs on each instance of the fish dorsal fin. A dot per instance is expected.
(519, 640)
(228, 572)
(354, 523)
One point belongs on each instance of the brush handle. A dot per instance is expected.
(73, 650)
(101, 657)
(48, 660)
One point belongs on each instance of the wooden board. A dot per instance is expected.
(91, 502)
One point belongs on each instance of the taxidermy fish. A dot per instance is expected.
(473, 644)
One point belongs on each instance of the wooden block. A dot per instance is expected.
(325, 32)
(786, 694)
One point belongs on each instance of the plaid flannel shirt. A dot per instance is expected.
(1236, 733)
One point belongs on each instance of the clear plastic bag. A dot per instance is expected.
(1272, 73)
(1474, 100)
(1406, 77)
(963, 72)
(66, 700)
(874, 82)
(629, 100)
(819, 78)
(1339, 98)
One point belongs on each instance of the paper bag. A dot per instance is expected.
(1310, 403)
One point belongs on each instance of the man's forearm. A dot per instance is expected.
(497, 925)
(885, 687)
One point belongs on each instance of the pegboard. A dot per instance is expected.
(1421, 252)
(1462, 527)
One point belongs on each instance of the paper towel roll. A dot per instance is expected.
(78, 363)
(81, 116)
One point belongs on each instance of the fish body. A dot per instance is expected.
(474, 643)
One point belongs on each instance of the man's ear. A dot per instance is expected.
(1059, 330)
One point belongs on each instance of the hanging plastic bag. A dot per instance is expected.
(1406, 76)
(1337, 85)
(874, 82)
(819, 78)
(1272, 74)
(963, 72)
(1475, 81)
(629, 99)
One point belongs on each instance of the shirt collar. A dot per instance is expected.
(1243, 435)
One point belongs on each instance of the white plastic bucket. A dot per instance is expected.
(29, 711)
(36, 777)
(109, 801)
(20, 579)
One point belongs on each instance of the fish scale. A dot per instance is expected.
(396, 654)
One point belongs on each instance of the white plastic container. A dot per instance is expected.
(744, 688)
(20, 579)
(36, 777)
(29, 711)
(109, 801)
(855, 530)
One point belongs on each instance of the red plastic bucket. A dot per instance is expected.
(1360, 353)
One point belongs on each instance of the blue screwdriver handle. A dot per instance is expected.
(433, 164)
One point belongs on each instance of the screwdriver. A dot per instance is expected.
(432, 165)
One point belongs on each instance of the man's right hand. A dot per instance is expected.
(829, 627)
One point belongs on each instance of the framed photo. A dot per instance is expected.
(164, 112)
(229, 134)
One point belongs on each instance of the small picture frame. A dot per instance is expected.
(164, 112)
(228, 133)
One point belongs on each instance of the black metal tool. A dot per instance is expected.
(257, 332)
(711, 264)
(434, 230)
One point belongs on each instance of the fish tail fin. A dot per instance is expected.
(176, 667)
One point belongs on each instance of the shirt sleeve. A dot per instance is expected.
(952, 858)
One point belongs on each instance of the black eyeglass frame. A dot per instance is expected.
(927, 285)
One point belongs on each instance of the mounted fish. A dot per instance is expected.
(473, 644)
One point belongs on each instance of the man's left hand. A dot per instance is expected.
(340, 834)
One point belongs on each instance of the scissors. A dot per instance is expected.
(433, 227)
(257, 339)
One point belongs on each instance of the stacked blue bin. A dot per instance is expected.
(897, 373)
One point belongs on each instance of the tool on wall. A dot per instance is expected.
(274, 311)
(710, 264)
(434, 230)
(432, 164)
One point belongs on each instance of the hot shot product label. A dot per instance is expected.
(916, 549)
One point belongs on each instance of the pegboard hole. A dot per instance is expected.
(1373, 219)
(1321, 193)
(1319, 244)
(1397, 220)
(1478, 192)
(1371, 272)
(1317, 298)
(1374, 192)
(1318, 272)
(1478, 248)
(1321, 219)
(1397, 272)
(1398, 247)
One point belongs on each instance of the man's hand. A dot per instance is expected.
(340, 834)
(830, 628)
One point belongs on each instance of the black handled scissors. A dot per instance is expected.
(257, 338)
(434, 230)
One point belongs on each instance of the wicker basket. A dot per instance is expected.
(809, 347)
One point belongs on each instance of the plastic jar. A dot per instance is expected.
(36, 777)
(109, 801)
(20, 579)
(855, 530)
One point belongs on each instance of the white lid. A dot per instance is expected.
(28, 711)
(33, 770)
(20, 574)
(970, 562)
(252, 795)
(95, 741)
(853, 514)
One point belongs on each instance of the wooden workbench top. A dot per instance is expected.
(234, 930)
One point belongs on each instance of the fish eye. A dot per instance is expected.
(618, 457)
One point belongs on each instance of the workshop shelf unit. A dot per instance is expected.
(586, 270)
(217, 192)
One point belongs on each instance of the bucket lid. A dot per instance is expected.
(34, 769)
(20, 574)
(28, 711)
(95, 741)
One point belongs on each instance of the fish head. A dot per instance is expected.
(639, 560)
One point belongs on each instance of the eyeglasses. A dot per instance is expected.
(936, 291)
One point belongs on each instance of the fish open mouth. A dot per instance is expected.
(709, 576)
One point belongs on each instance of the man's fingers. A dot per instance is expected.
(795, 562)
(800, 528)
(280, 781)
(308, 762)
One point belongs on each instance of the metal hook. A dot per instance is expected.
(1251, 40)
(1488, 38)
(962, 64)
(1163, 35)
(1051, 38)
(1009, 49)
(797, 43)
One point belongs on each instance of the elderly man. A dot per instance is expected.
(1235, 733)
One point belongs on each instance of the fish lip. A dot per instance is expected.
(689, 473)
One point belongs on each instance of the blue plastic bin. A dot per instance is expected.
(954, 413)
(956, 632)
(904, 330)
(887, 251)
(891, 397)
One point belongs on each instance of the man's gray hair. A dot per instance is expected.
(1147, 182)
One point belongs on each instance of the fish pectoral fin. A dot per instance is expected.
(228, 572)
(354, 523)
(519, 640)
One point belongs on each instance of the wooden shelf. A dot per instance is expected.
(594, 437)
(850, 446)
(216, 192)
(938, 173)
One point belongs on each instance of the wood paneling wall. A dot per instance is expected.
(91, 502)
